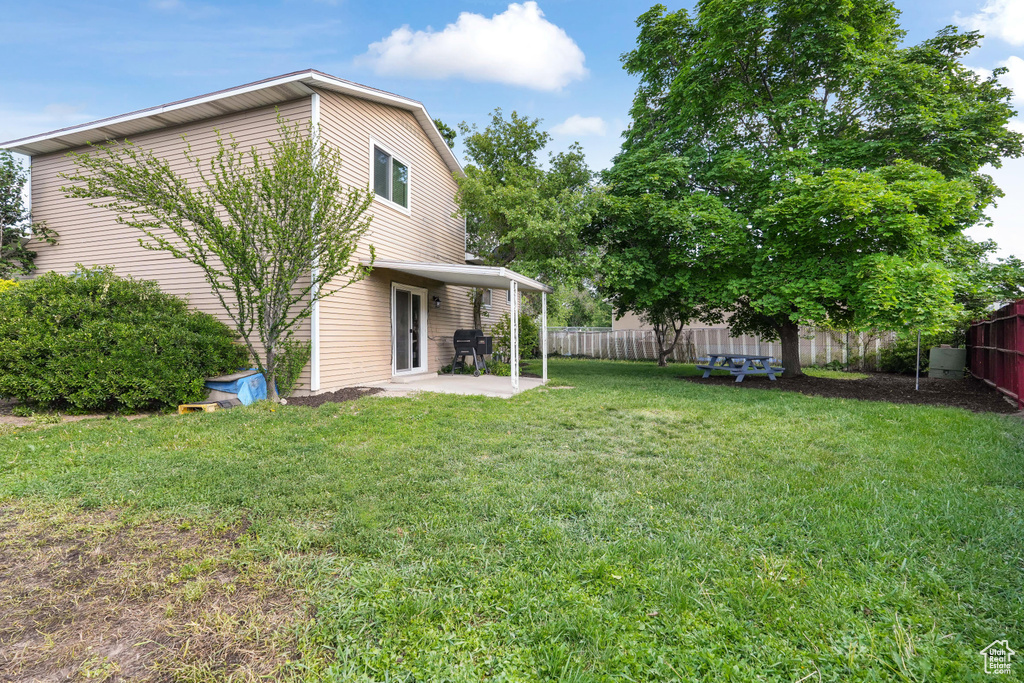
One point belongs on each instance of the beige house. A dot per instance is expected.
(632, 321)
(397, 322)
(629, 321)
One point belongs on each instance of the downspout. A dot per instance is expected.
(314, 318)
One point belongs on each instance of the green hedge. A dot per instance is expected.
(529, 337)
(95, 341)
(901, 357)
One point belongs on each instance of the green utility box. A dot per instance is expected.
(946, 362)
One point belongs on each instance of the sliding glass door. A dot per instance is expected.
(408, 315)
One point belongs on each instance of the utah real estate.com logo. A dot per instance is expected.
(997, 657)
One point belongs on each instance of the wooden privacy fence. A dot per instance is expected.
(817, 347)
(995, 351)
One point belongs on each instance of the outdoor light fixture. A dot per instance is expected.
(437, 301)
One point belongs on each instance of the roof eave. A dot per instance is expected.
(294, 85)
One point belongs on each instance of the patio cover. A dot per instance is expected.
(490, 277)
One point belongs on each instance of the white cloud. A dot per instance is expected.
(981, 72)
(1008, 216)
(581, 126)
(518, 47)
(1014, 78)
(998, 19)
(16, 124)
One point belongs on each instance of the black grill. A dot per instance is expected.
(471, 343)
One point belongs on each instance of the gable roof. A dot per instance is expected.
(263, 93)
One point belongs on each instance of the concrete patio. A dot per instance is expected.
(466, 385)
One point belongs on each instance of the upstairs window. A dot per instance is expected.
(390, 178)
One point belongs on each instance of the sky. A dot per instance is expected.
(558, 60)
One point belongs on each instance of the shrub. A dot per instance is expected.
(529, 337)
(901, 357)
(497, 368)
(7, 284)
(500, 369)
(95, 341)
(293, 358)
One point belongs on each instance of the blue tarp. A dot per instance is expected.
(248, 389)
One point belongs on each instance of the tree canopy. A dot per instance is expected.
(16, 225)
(831, 169)
(446, 131)
(519, 213)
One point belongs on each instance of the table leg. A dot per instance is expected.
(711, 363)
(747, 365)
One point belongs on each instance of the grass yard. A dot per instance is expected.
(632, 528)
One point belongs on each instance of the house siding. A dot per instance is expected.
(355, 323)
(354, 329)
(93, 237)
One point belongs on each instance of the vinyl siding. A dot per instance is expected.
(93, 237)
(355, 323)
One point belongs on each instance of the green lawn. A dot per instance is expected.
(632, 528)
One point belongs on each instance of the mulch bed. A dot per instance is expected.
(970, 393)
(339, 396)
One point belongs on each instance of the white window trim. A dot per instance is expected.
(374, 142)
(490, 300)
(424, 346)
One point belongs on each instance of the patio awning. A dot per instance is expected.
(468, 276)
(493, 278)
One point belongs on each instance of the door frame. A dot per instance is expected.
(424, 357)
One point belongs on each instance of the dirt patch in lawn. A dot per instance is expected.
(969, 393)
(339, 396)
(7, 416)
(87, 595)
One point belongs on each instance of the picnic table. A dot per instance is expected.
(740, 365)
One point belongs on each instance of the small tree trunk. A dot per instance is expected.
(790, 335)
(272, 376)
(660, 335)
(478, 301)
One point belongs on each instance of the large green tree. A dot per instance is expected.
(520, 213)
(16, 224)
(273, 231)
(850, 163)
(668, 255)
